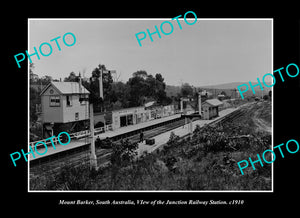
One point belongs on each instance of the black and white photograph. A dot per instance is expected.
(150, 104)
(182, 106)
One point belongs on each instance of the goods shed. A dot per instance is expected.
(129, 116)
(211, 108)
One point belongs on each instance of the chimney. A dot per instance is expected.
(199, 102)
(101, 84)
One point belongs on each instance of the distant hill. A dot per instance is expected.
(223, 86)
(233, 85)
(228, 88)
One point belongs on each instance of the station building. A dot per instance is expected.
(211, 108)
(128, 116)
(64, 104)
(135, 115)
(158, 111)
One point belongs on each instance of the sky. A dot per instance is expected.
(209, 52)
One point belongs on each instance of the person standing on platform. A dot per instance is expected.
(141, 137)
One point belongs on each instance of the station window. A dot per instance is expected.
(83, 99)
(54, 101)
(69, 100)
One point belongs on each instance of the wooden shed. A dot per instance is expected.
(211, 108)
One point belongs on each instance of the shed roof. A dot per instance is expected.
(67, 88)
(214, 102)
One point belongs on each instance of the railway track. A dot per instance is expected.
(236, 114)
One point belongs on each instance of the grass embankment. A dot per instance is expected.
(206, 162)
(264, 112)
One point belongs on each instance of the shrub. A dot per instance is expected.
(123, 152)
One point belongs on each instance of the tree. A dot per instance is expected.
(34, 100)
(105, 103)
(123, 154)
(138, 88)
(135, 92)
(31, 67)
(120, 95)
(33, 77)
(186, 90)
(265, 97)
(106, 79)
(160, 90)
(45, 80)
(71, 78)
(159, 78)
(140, 73)
(143, 87)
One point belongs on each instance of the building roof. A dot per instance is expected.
(149, 104)
(128, 109)
(214, 102)
(67, 88)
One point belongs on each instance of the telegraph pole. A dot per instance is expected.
(181, 105)
(199, 103)
(101, 93)
(93, 157)
(191, 127)
(101, 84)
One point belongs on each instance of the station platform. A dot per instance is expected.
(180, 131)
(139, 126)
(76, 143)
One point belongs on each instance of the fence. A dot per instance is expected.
(75, 135)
